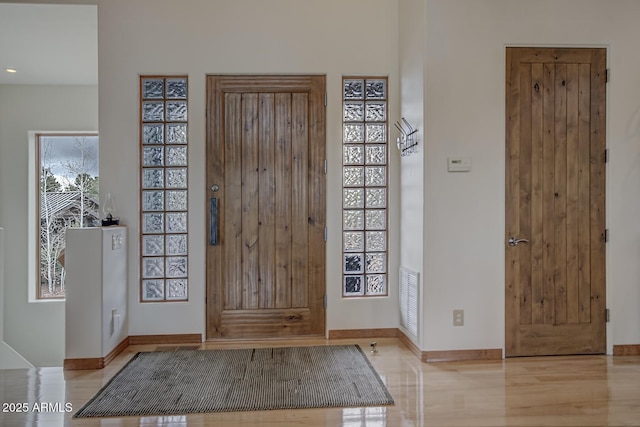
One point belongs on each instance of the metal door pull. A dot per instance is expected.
(213, 222)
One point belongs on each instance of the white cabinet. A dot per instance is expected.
(96, 291)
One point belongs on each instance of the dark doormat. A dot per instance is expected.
(197, 381)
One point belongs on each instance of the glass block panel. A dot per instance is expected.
(152, 156)
(177, 289)
(177, 266)
(376, 198)
(176, 222)
(375, 176)
(376, 284)
(353, 286)
(376, 89)
(353, 220)
(152, 267)
(176, 133)
(152, 178)
(376, 112)
(164, 182)
(353, 112)
(376, 263)
(376, 241)
(353, 176)
(376, 154)
(376, 219)
(152, 290)
(152, 223)
(152, 88)
(176, 156)
(365, 195)
(153, 245)
(353, 154)
(177, 200)
(177, 88)
(177, 111)
(353, 89)
(152, 134)
(177, 178)
(153, 111)
(353, 133)
(353, 198)
(177, 244)
(152, 200)
(353, 241)
(353, 263)
(376, 133)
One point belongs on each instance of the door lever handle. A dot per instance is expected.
(515, 242)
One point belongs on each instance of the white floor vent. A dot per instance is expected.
(409, 300)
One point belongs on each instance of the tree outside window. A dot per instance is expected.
(68, 197)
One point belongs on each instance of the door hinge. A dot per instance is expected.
(326, 166)
(324, 302)
(607, 314)
(607, 75)
(325, 99)
(606, 155)
(326, 234)
(606, 235)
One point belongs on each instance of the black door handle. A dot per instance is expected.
(213, 222)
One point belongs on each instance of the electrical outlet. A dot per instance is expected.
(458, 317)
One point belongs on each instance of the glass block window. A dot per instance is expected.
(364, 187)
(163, 194)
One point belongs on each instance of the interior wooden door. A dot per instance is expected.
(555, 201)
(266, 207)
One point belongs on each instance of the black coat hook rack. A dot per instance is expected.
(407, 140)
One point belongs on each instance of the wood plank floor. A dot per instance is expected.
(551, 391)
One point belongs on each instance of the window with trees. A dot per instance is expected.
(68, 197)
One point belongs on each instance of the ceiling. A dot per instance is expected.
(49, 44)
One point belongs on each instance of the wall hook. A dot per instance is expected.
(407, 140)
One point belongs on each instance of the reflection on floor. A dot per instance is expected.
(569, 391)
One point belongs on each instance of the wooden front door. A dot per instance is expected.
(266, 206)
(555, 201)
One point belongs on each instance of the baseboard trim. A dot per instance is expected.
(424, 356)
(461, 355)
(404, 339)
(116, 351)
(95, 362)
(165, 339)
(363, 333)
(626, 350)
(83, 364)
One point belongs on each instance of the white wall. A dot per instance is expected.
(464, 212)
(200, 37)
(462, 216)
(194, 37)
(9, 359)
(412, 57)
(34, 329)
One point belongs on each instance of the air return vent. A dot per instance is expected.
(409, 301)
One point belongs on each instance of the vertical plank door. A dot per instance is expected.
(555, 201)
(265, 169)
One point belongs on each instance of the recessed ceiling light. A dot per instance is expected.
(11, 70)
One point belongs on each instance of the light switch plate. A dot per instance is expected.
(116, 242)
